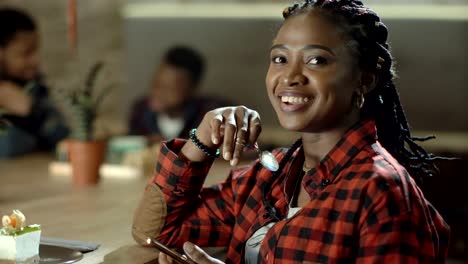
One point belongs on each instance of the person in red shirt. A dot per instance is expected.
(343, 192)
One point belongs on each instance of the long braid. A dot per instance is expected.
(382, 104)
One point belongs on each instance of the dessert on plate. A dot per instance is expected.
(19, 243)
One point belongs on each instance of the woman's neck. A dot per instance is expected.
(318, 144)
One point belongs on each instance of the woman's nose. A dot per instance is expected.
(294, 76)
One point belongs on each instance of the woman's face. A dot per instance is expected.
(312, 75)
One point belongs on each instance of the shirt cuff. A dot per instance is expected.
(176, 175)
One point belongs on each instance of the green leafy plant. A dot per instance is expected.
(81, 105)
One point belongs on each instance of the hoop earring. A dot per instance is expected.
(360, 100)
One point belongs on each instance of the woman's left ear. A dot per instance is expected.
(368, 81)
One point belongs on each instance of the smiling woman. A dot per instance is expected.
(343, 191)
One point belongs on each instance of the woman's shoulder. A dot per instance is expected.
(382, 179)
(387, 192)
(375, 162)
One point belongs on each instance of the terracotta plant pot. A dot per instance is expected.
(86, 158)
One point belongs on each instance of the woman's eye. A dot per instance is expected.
(317, 61)
(278, 59)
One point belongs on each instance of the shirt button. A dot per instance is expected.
(325, 183)
(179, 192)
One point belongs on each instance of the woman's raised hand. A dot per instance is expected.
(230, 127)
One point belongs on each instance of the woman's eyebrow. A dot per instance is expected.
(307, 47)
(278, 46)
(315, 46)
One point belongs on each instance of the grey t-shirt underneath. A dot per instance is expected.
(252, 247)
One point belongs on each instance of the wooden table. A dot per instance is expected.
(101, 214)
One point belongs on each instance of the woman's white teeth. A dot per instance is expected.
(294, 100)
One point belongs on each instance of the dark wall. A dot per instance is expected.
(431, 55)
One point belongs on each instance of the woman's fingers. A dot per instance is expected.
(230, 130)
(216, 125)
(241, 126)
(241, 137)
(255, 127)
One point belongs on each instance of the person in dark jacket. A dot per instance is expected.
(25, 105)
(172, 106)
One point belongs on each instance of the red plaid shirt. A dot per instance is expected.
(368, 211)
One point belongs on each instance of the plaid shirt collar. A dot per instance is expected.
(360, 135)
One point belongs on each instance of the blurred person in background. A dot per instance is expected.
(172, 106)
(24, 101)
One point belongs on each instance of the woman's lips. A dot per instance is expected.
(292, 103)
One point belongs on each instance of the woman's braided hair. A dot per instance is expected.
(369, 41)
